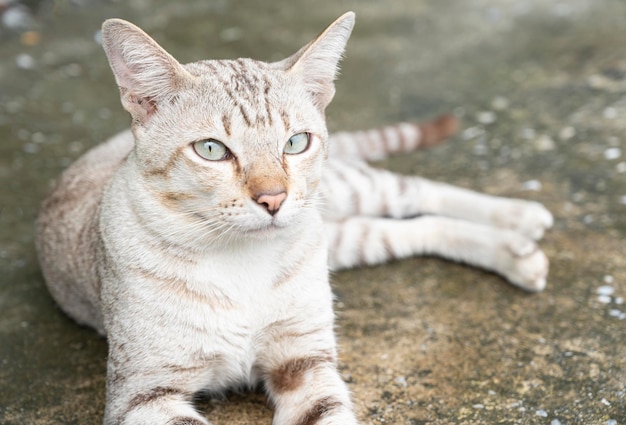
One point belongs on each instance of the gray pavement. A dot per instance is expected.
(540, 87)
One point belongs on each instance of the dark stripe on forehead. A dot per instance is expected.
(268, 108)
(247, 86)
(226, 124)
(244, 115)
(286, 121)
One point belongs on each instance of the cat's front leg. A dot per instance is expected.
(150, 405)
(300, 374)
(156, 406)
(306, 391)
(142, 391)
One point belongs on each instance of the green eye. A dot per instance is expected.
(297, 143)
(211, 149)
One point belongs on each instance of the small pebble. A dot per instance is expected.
(25, 61)
(608, 278)
(604, 299)
(544, 143)
(17, 17)
(38, 137)
(31, 148)
(486, 117)
(605, 402)
(605, 290)
(567, 133)
(609, 113)
(472, 132)
(555, 422)
(480, 149)
(401, 380)
(622, 200)
(478, 406)
(528, 133)
(612, 153)
(534, 185)
(611, 422)
(541, 413)
(600, 82)
(621, 167)
(500, 103)
(619, 300)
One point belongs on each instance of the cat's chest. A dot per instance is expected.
(230, 306)
(253, 284)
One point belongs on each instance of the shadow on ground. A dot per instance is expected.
(541, 89)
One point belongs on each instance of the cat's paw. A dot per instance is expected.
(526, 265)
(531, 219)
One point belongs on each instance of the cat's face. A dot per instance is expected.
(228, 149)
(236, 145)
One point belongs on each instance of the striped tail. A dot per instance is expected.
(380, 143)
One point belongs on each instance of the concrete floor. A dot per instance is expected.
(541, 88)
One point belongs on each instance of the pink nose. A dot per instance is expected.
(270, 202)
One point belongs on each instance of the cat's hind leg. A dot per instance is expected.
(380, 143)
(353, 188)
(361, 241)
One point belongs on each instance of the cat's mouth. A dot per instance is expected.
(274, 226)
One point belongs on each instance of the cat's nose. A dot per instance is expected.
(271, 202)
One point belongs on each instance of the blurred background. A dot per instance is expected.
(540, 88)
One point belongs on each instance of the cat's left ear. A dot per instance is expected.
(317, 63)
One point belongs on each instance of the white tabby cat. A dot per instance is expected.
(196, 242)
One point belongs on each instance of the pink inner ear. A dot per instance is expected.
(123, 74)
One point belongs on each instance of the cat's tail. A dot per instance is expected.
(380, 143)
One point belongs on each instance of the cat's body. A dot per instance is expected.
(196, 245)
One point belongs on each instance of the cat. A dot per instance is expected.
(199, 242)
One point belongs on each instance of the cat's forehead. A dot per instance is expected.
(246, 93)
(244, 77)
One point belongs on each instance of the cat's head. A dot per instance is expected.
(238, 144)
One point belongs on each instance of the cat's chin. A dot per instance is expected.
(275, 228)
(265, 231)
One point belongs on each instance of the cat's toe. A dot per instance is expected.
(527, 266)
(535, 221)
(531, 219)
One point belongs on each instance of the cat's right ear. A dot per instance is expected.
(145, 73)
(317, 63)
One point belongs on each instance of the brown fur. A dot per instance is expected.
(290, 375)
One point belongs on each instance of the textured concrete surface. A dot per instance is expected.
(541, 88)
